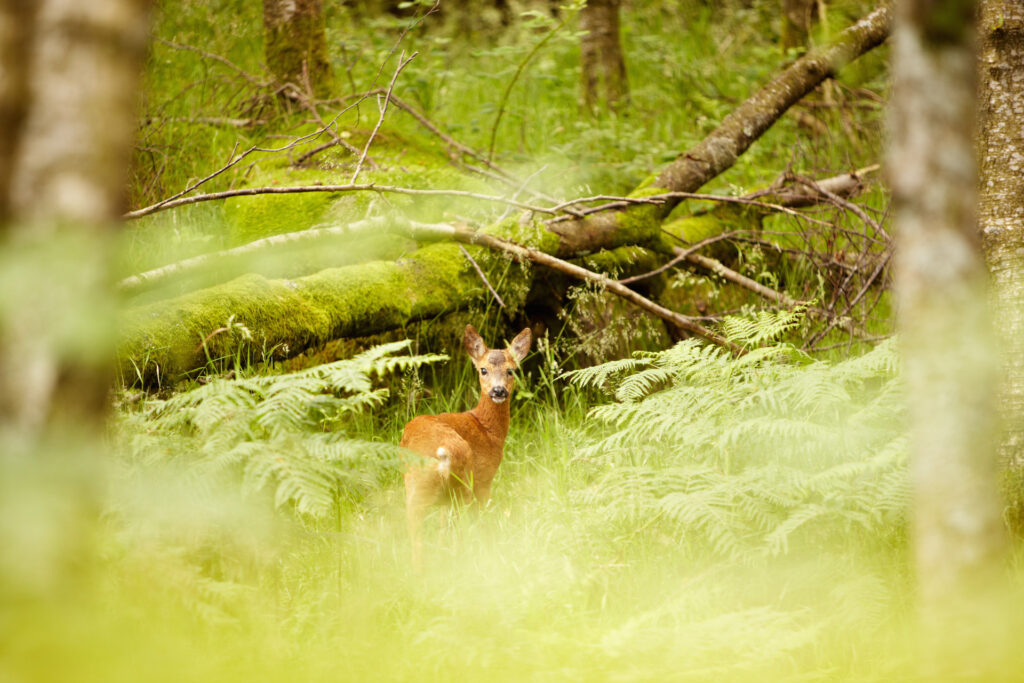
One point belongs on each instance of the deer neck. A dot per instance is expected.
(493, 416)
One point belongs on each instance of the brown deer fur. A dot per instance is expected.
(461, 451)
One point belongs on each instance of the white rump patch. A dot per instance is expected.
(444, 465)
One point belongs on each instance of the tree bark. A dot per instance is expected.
(948, 352)
(296, 44)
(79, 68)
(796, 23)
(1001, 204)
(602, 64)
(16, 20)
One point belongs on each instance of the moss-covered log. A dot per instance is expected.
(259, 317)
(253, 314)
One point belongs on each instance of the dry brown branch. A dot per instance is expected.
(483, 277)
(521, 253)
(362, 187)
(680, 256)
(779, 298)
(402, 63)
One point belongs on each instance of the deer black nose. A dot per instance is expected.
(499, 392)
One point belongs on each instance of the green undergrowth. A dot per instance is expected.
(675, 515)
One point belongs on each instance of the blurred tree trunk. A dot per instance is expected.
(15, 17)
(796, 22)
(296, 44)
(948, 349)
(72, 99)
(1001, 206)
(603, 66)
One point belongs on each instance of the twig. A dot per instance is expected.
(308, 101)
(519, 190)
(850, 306)
(402, 62)
(482, 276)
(362, 187)
(680, 256)
(779, 298)
(844, 204)
(661, 198)
(178, 199)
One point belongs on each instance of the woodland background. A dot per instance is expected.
(771, 254)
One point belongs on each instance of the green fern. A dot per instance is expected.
(286, 433)
(749, 453)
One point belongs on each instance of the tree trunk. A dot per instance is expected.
(66, 164)
(1001, 206)
(603, 66)
(296, 44)
(79, 68)
(946, 335)
(796, 23)
(16, 20)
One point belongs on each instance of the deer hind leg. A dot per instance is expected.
(437, 480)
(482, 493)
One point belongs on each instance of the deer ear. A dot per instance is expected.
(475, 345)
(520, 346)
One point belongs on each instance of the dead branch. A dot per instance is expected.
(362, 187)
(308, 101)
(483, 277)
(779, 298)
(521, 253)
(402, 63)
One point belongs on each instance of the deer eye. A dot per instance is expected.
(483, 371)
(509, 373)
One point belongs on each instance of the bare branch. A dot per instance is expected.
(483, 277)
(363, 187)
(402, 63)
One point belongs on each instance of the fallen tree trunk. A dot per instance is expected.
(281, 317)
(719, 150)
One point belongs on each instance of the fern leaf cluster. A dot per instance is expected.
(283, 433)
(742, 453)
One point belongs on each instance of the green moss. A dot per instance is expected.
(285, 316)
(720, 219)
(618, 262)
(252, 218)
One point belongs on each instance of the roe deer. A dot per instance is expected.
(462, 451)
